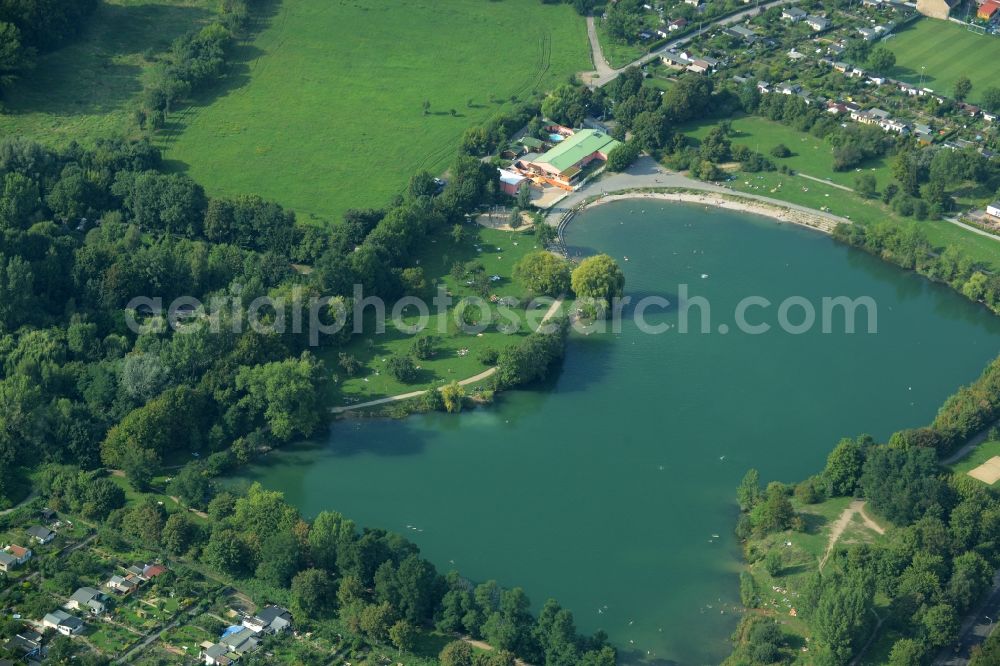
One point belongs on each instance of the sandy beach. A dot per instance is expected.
(819, 221)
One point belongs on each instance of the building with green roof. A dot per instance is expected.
(566, 160)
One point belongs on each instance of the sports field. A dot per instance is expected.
(331, 116)
(946, 51)
(83, 91)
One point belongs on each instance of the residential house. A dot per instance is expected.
(876, 79)
(269, 620)
(970, 109)
(993, 210)
(817, 23)
(63, 622)
(39, 534)
(987, 10)
(763, 87)
(795, 55)
(676, 24)
(923, 132)
(740, 32)
(121, 584)
(88, 599)
(788, 88)
(793, 14)
(990, 117)
(151, 571)
(233, 644)
(27, 642)
(661, 33)
(14, 556)
(868, 34)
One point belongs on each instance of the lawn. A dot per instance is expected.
(331, 113)
(498, 252)
(813, 157)
(82, 92)
(977, 457)
(946, 51)
(810, 155)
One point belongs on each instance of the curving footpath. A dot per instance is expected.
(489, 372)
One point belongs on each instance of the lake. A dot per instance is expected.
(612, 487)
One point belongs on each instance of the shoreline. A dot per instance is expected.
(819, 221)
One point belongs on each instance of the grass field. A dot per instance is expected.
(82, 92)
(810, 155)
(498, 252)
(946, 51)
(330, 116)
(979, 455)
(813, 157)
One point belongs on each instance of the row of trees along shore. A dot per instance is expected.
(935, 563)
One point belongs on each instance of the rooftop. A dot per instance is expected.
(577, 147)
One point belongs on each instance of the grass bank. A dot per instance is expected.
(332, 115)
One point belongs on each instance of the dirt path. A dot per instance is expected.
(551, 312)
(857, 506)
(483, 645)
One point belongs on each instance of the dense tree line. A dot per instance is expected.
(934, 564)
(907, 246)
(31, 27)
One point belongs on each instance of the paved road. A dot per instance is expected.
(969, 227)
(605, 73)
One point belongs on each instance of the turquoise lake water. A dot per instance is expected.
(606, 488)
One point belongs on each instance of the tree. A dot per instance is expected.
(780, 151)
(907, 652)
(179, 533)
(423, 347)
(881, 60)
(453, 395)
(774, 513)
(228, 553)
(375, 621)
(622, 156)
(402, 634)
(991, 99)
(279, 558)
(866, 185)
(402, 368)
(599, 278)
(286, 394)
(963, 86)
(843, 466)
(456, 653)
(940, 625)
(312, 592)
(13, 57)
(543, 273)
(192, 486)
(748, 493)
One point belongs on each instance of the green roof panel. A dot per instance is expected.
(573, 149)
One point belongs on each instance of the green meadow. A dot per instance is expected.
(810, 155)
(946, 51)
(813, 157)
(457, 353)
(331, 114)
(83, 91)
